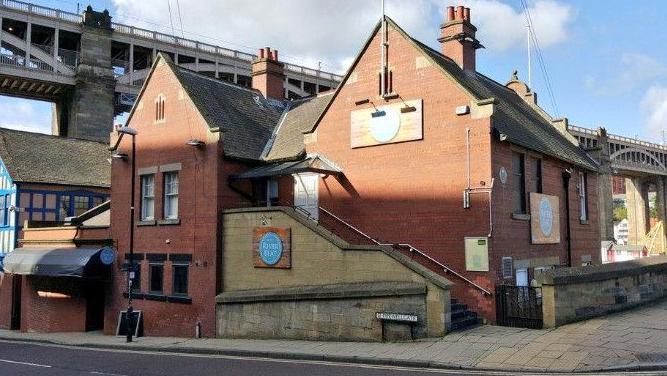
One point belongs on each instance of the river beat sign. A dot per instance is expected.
(272, 247)
(544, 219)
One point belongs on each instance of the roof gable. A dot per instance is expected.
(522, 124)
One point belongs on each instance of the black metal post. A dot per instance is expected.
(130, 271)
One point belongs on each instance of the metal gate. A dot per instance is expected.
(519, 306)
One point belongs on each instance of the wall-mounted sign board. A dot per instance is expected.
(396, 122)
(477, 254)
(272, 247)
(544, 219)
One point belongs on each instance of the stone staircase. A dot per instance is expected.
(462, 317)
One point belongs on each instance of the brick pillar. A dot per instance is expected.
(605, 192)
(90, 108)
(636, 196)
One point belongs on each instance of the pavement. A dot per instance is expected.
(628, 341)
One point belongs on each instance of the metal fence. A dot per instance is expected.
(519, 306)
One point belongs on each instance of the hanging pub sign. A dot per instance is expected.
(272, 247)
(396, 122)
(544, 219)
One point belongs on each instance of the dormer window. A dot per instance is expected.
(159, 108)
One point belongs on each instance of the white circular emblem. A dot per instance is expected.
(385, 127)
(503, 175)
(546, 217)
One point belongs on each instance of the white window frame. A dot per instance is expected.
(170, 193)
(583, 199)
(147, 198)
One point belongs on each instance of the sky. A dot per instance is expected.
(605, 59)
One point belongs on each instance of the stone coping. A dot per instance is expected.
(583, 274)
(332, 291)
(411, 264)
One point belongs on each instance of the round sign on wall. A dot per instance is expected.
(270, 248)
(385, 127)
(502, 174)
(546, 217)
(107, 256)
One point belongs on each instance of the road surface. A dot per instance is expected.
(17, 358)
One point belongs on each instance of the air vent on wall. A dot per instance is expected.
(507, 268)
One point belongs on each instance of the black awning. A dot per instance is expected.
(60, 262)
(315, 164)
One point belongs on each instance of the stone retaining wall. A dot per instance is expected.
(573, 294)
(330, 290)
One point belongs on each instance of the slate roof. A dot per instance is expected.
(254, 128)
(515, 118)
(313, 163)
(246, 119)
(287, 142)
(40, 158)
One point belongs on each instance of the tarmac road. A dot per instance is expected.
(17, 358)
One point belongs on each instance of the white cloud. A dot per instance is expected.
(632, 70)
(307, 31)
(25, 115)
(654, 108)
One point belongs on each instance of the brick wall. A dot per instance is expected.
(5, 300)
(52, 314)
(412, 192)
(202, 192)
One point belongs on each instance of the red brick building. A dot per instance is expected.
(420, 149)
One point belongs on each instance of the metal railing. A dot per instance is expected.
(613, 137)
(412, 249)
(39, 10)
(161, 37)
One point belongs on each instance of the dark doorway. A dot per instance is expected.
(16, 303)
(94, 292)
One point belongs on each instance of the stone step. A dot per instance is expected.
(466, 323)
(462, 313)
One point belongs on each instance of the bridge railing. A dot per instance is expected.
(158, 36)
(41, 10)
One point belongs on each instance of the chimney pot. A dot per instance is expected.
(450, 13)
(275, 55)
(261, 53)
(466, 14)
(459, 12)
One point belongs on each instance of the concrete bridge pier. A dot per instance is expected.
(637, 202)
(88, 111)
(605, 192)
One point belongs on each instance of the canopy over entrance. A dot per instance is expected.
(315, 164)
(91, 263)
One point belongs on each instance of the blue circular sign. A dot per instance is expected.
(107, 256)
(270, 248)
(546, 217)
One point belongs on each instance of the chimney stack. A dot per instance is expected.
(457, 36)
(268, 74)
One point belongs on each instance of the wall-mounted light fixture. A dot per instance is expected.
(121, 156)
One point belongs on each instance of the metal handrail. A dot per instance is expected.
(412, 249)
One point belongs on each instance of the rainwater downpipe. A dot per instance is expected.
(566, 184)
(472, 190)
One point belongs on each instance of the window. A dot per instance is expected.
(64, 206)
(583, 196)
(171, 195)
(537, 175)
(156, 277)
(3, 213)
(180, 279)
(81, 204)
(159, 108)
(147, 197)
(518, 183)
(136, 282)
(272, 191)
